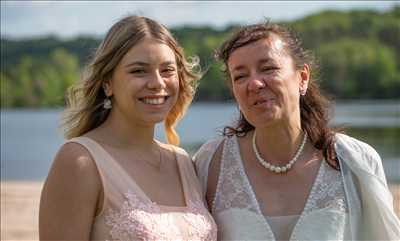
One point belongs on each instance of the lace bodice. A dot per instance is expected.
(238, 215)
(129, 214)
(148, 221)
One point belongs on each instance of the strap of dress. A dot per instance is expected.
(116, 182)
(94, 151)
(189, 179)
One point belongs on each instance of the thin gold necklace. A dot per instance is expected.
(156, 166)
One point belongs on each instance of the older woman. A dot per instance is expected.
(281, 173)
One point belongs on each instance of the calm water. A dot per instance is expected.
(30, 138)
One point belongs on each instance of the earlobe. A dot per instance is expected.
(107, 88)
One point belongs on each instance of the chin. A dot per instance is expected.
(151, 118)
(262, 121)
(155, 119)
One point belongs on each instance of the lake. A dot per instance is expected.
(30, 138)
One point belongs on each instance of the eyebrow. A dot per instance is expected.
(238, 68)
(140, 63)
(169, 63)
(137, 63)
(266, 61)
(261, 61)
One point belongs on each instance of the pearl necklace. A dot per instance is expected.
(277, 169)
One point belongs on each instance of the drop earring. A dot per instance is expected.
(303, 92)
(107, 103)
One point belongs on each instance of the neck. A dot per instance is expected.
(278, 144)
(122, 132)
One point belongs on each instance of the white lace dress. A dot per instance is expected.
(237, 212)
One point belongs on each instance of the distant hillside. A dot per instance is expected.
(359, 53)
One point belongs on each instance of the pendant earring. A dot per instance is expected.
(303, 92)
(107, 103)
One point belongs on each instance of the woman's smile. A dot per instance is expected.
(154, 100)
(264, 102)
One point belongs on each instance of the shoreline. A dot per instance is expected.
(20, 208)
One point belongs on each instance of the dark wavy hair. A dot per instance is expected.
(314, 106)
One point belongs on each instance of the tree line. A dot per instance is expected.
(358, 53)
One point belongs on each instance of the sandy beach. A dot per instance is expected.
(20, 208)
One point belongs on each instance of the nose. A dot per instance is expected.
(156, 81)
(256, 83)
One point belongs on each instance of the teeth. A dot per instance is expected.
(263, 101)
(154, 101)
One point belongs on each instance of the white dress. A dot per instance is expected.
(238, 215)
(353, 204)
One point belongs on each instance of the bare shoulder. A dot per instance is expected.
(70, 195)
(76, 158)
(73, 164)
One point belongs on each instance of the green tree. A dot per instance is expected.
(6, 91)
(41, 82)
(359, 52)
(358, 69)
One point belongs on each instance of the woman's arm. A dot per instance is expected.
(69, 196)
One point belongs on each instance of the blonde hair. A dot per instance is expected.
(85, 111)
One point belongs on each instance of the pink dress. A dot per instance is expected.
(129, 214)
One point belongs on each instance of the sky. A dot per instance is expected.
(24, 19)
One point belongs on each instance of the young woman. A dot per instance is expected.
(112, 180)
